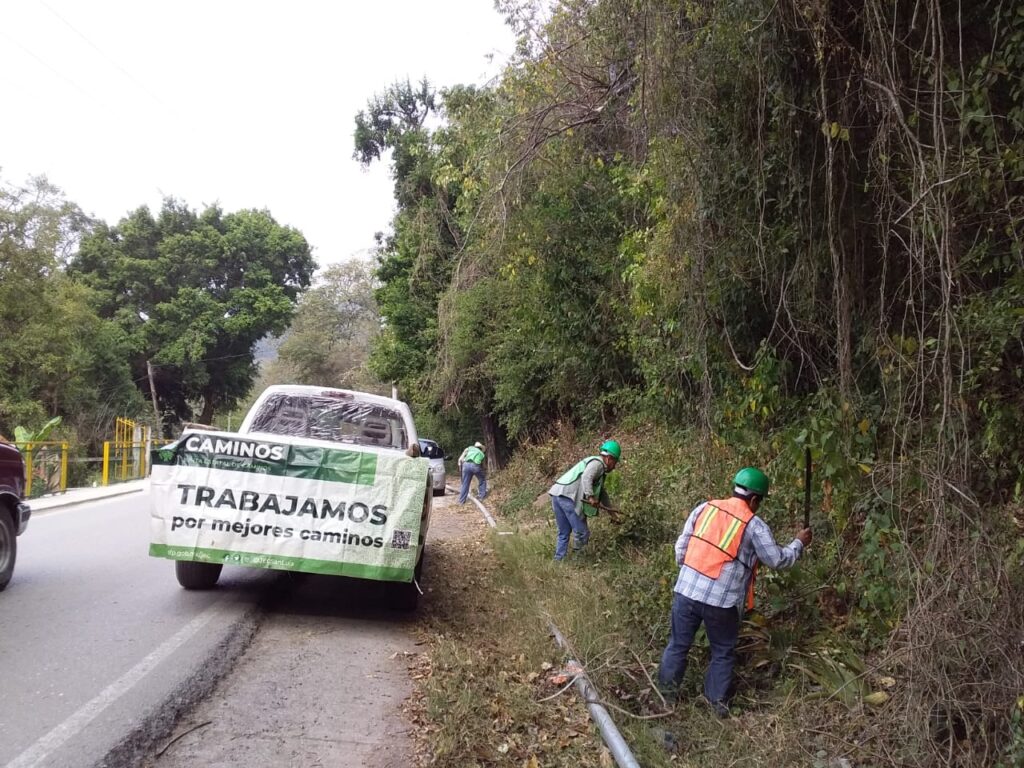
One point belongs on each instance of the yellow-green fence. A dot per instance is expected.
(125, 457)
(46, 467)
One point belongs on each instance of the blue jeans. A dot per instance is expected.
(723, 628)
(469, 471)
(568, 522)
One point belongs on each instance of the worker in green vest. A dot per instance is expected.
(578, 493)
(471, 464)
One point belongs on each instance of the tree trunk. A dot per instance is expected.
(206, 417)
(495, 440)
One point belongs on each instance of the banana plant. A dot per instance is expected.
(23, 435)
(46, 472)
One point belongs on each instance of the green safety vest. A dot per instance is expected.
(576, 473)
(474, 455)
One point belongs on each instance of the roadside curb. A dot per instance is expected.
(57, 502)
(610, 733)
(483, 510)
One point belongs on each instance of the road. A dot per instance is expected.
(99, 646)
(324, 681)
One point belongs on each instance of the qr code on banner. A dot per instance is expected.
(401, 539)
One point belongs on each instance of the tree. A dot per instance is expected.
(195, 292)
(335, 322)
(57, 356)
(418, 259)
(394, 121)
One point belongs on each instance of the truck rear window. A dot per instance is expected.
(327, 418)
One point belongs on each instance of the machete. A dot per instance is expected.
(614, 513)
(807, 487)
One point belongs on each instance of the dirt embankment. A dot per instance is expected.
(326, 677)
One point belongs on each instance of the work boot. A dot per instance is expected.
(720, 708)
(670, 694)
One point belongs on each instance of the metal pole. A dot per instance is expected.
(63, 467)
(143, 451)
(152, 393)
(106, 462)
(612, 738)
(807, 487)
(28, 470)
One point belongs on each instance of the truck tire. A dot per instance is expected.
(407, 596)
(8, 545)
(197, 575)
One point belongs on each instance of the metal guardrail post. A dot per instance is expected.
(106, 462)
(63, 467)
(143, 452)
(28, 470)
(609, 732)
(611, 735)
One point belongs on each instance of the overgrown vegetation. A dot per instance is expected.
(156, 315)
(762, 226)
(58, 356)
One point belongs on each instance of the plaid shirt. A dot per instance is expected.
(730, 588)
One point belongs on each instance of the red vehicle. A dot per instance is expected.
(14, 512)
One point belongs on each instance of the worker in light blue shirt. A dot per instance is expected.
(718, 552)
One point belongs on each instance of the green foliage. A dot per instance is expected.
(193, 293)
(1013, 756)
(881, 589)
(24, 435)
(334, 324)
(58, 357)
(766, 227)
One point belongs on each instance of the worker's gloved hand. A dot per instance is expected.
(805, 536)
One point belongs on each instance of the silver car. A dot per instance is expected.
(434, 452)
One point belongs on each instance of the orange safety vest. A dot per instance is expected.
(717, 535)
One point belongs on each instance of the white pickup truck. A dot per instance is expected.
(317, 480)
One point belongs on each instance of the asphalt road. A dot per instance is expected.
(100, 649)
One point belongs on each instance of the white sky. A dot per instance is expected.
(245, 103)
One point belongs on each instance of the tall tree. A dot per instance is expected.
(57, 356)
(195, 292)
(329, 339)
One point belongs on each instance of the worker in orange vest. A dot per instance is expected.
(718, 552)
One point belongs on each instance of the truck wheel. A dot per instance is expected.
(197, 575)
(407, 597)
(8, 546)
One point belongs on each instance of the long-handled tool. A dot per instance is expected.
(807, 487)
(614, 513)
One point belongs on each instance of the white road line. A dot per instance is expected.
(74, 725)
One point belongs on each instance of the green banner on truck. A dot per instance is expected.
(293, 506)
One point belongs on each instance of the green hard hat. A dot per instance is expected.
(611, 447)
(753, 479)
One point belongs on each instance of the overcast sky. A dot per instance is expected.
(246, 103)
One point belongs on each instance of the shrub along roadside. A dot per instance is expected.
(826, 669)
(488, 697)
(488, 658)
(612, 601)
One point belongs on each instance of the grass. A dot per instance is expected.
(488, 666)
(486, 697)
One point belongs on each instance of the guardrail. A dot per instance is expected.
(124, 461)
(46, 464)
